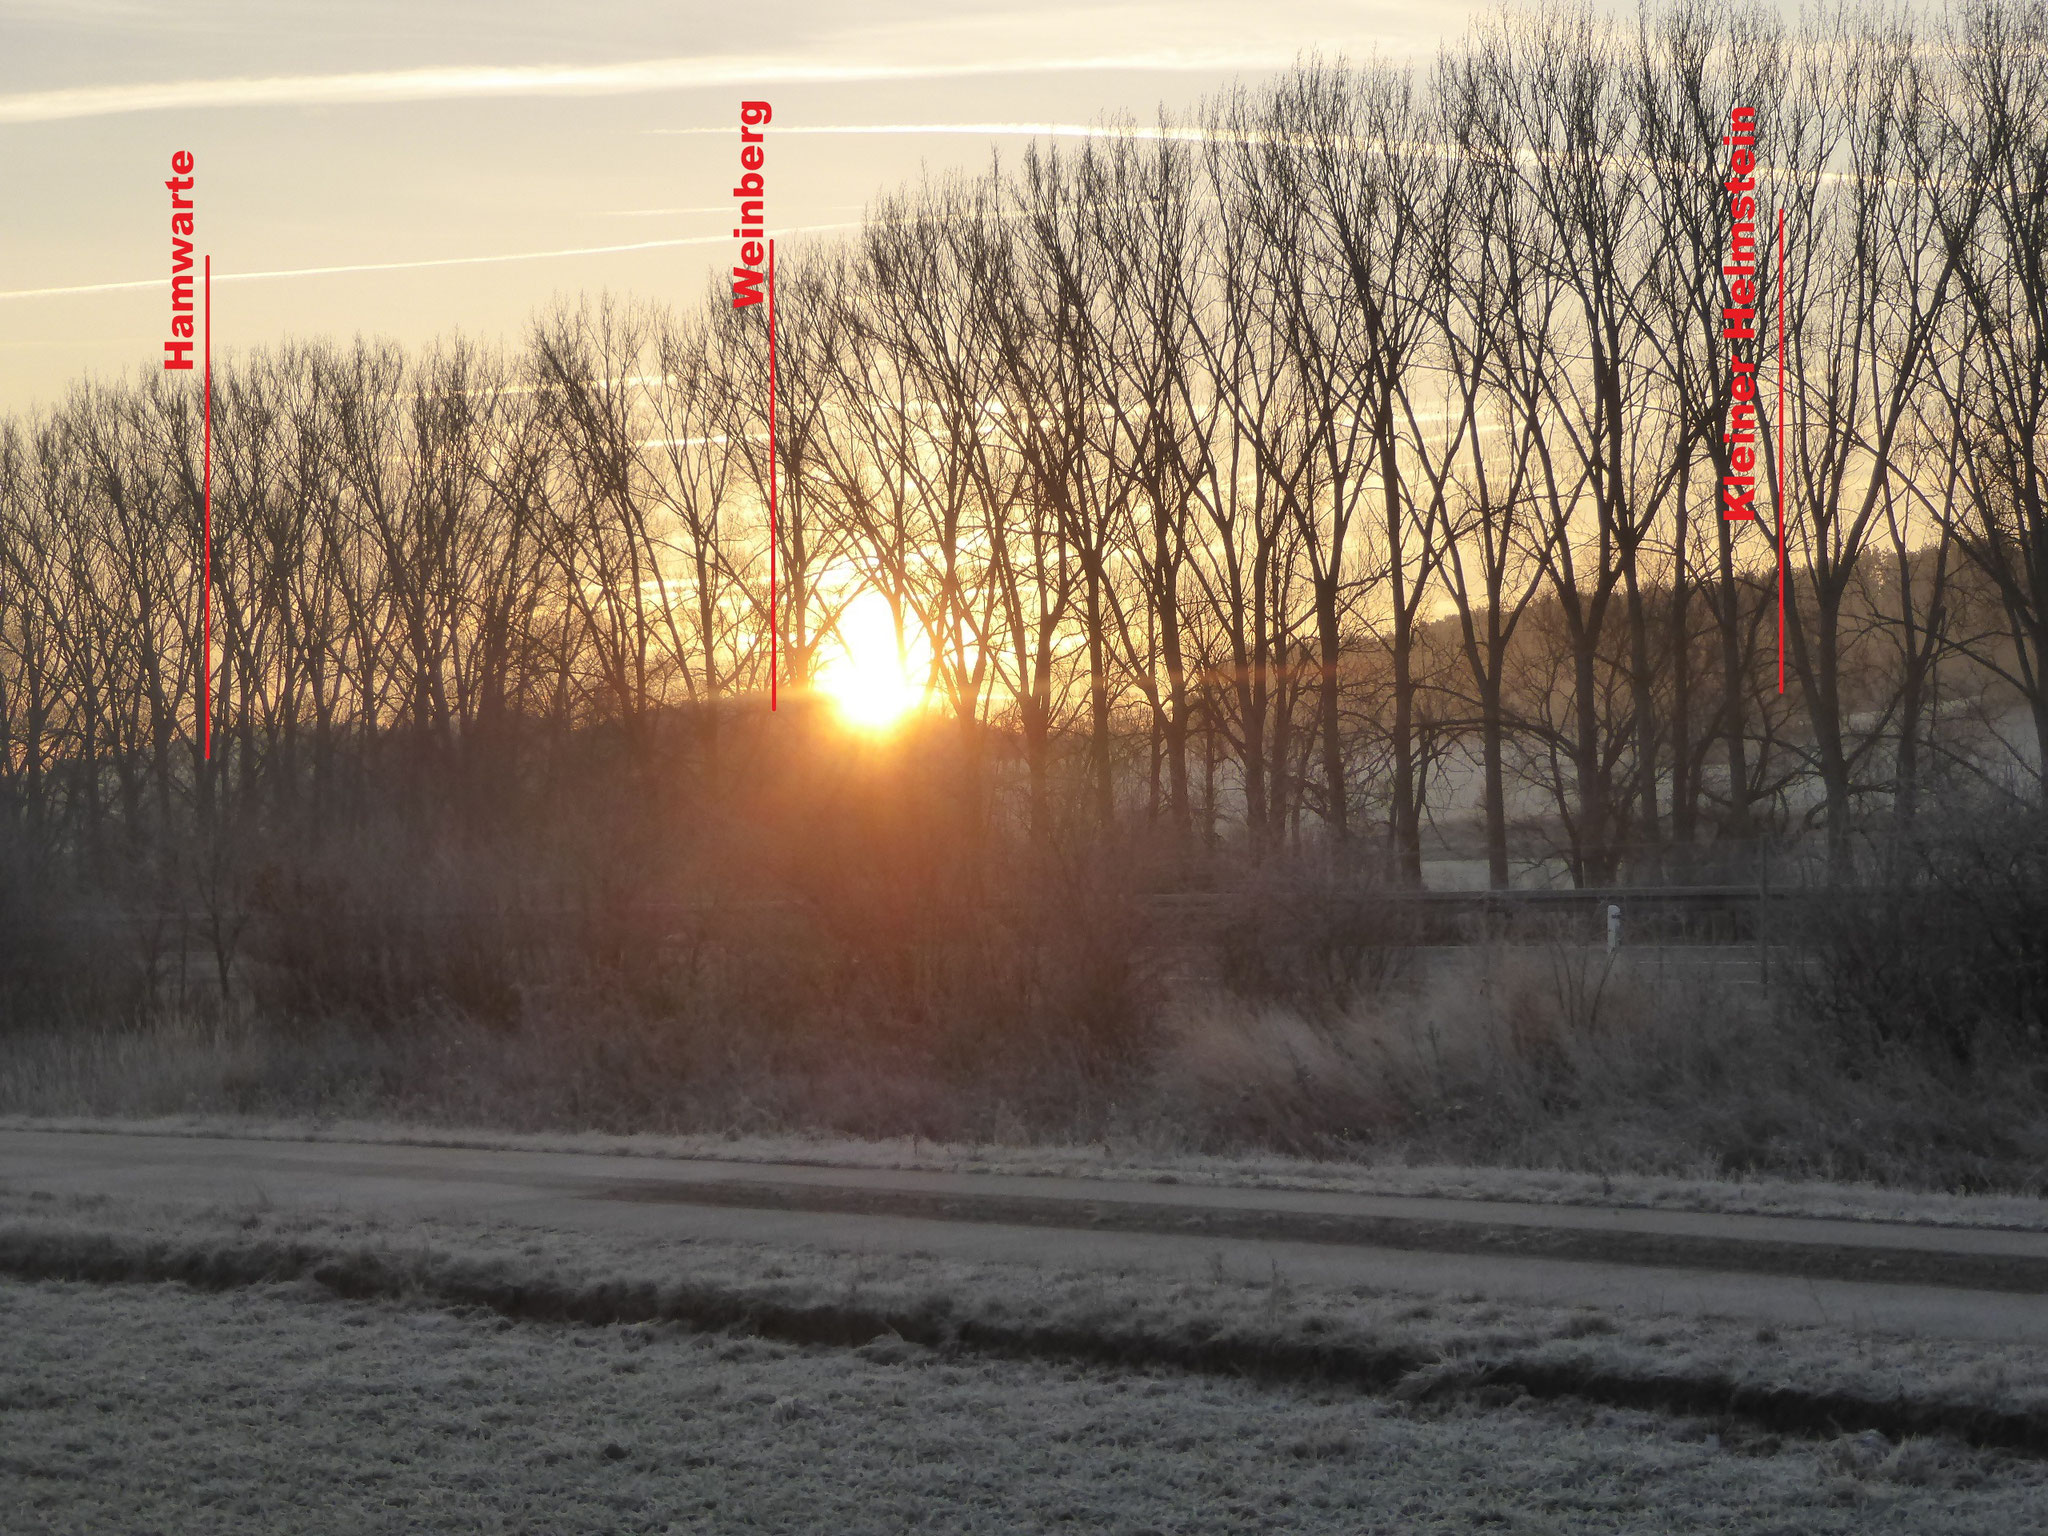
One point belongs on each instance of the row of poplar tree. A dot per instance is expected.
(1340, 456)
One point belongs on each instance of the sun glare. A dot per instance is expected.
(863, 671)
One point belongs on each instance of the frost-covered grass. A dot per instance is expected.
(138, 1408)
(1139, 1162)
(1411, 1345)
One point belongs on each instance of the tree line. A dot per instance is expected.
(1262, 476)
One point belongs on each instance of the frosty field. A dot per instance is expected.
(341, 1370)
(157, 1408)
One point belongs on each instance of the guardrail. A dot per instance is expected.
(1704, 914)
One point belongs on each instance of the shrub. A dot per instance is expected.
(1319, 942)
(1949, 948)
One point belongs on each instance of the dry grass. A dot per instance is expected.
(1562, 1059)
(1523, 1059)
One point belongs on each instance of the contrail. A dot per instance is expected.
(471, 80)
(403, 266)
(1031, 130)
(1175, 133)
(1212, 133)
(725, 207)
(648, 213)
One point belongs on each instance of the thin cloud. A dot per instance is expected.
(475, 80)
(1216, 133)
(650, 213)
(407, 266)
(1173, 133)
(1027, 130)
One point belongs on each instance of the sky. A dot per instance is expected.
(437, 150)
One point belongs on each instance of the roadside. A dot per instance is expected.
(1550, 1187)
(1804, 1357)
(1509, 1246)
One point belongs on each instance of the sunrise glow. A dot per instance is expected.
(863, 669)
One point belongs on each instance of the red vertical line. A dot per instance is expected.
(206, 528)
(774, 527)
(1781, 450)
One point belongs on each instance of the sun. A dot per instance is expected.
(863, 670)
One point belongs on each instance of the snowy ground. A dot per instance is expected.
(155, 1408)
